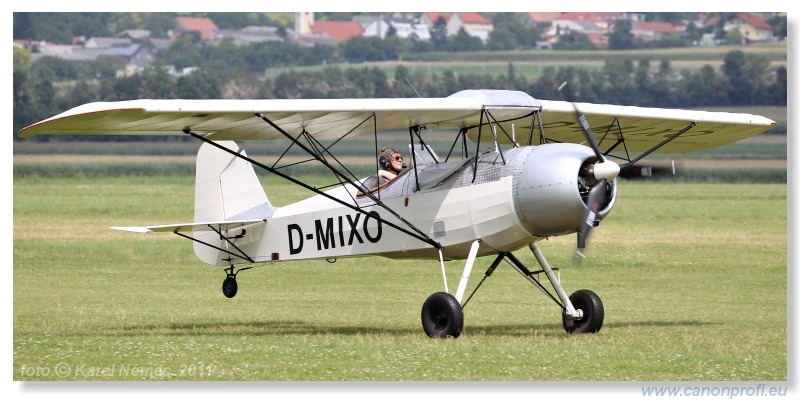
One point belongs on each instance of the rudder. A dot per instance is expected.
(226, 186)
(226, 189)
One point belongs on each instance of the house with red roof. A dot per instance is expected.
(207, 29)
(652, 30)
(540, 17)
(595, 30)
(473, 23)
(752, 27)
(340, 31)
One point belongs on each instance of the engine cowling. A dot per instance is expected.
(552, 187)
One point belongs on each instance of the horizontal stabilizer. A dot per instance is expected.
(195, 226)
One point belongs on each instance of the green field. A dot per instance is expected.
(693, 277)
(532, 63)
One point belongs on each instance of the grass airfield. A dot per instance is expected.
(693, 277)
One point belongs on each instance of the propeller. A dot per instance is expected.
(604, 170)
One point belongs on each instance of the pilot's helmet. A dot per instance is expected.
(385, 159)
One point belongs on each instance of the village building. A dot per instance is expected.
(473, 24)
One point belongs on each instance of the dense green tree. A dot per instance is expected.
(105, 67)
(546, 87)
(227, 52)
(286, 85)
(55, 67)
(23, 26)
(618, 85)
(778, 23)
(401, 87)
(585, 87)
(694, 34)
(158, 24)
(574, 40)
(81, 93)
(200, 84)
(125, 21)
(702, 87)
(21, 58)
(501, 38)
(127, 87)
(157, 83)
(621, 36)
(25, 109)
(369, 48)
(643, 82)
(439, 34)
(510, 33)
(464, 42)
(777, 91)
(45, 95)
(742, 85)
(184, 52)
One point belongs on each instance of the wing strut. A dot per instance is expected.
(477, 148)
(462, 135)
(418, 234)
(411, 131)
(661, 144)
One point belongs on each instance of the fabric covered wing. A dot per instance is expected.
(324, 119)
(644, 128)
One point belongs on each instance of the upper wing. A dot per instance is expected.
(641, 129)
(323, 119)
(638, 129)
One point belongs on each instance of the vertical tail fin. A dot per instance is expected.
(226, 186)
(227, 189)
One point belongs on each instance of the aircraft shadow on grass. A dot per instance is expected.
(283, 328)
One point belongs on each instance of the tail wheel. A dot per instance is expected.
(442, 316)
(229, 287)
(593, 313)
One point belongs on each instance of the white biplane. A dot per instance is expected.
(537, 181)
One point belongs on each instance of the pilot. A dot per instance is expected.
(391, 163)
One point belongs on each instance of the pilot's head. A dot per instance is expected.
(391, 160)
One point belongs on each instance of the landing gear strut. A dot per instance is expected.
(582, 312)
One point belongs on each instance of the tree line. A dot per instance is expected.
(743, 79)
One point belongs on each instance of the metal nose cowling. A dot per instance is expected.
(552, 190)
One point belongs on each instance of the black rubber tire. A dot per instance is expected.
(229, 287)
(593, 313)
(442, 316)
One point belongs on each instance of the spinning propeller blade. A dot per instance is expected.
(594, 203)
(604, 170)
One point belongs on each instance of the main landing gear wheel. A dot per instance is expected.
(229, 287)
(442, 316)
(592, 308)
